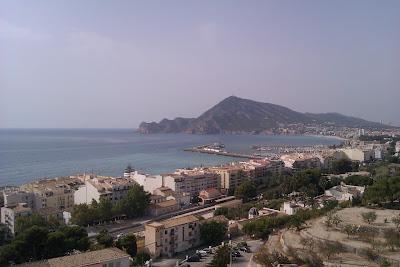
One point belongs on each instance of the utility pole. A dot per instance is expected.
(230, 253)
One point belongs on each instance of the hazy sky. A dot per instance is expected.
(117, 63)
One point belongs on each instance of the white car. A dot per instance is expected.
(202, 253)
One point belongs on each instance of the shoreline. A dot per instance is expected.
(328, 136)
(32, 169)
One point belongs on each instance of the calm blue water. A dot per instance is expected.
(27, 155)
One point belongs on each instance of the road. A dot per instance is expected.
(245, 261)
(137, 225)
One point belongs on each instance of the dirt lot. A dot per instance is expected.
(353, 216)
(317, 229)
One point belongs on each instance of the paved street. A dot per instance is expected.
(245, 261)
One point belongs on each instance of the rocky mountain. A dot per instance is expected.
(238, 115)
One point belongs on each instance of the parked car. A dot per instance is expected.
(202, 253)
(237, 254)
(245, 249)
(194, 258)
(208, 250)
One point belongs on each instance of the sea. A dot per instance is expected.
(32, 154)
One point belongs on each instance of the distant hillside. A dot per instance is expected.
(238, 115)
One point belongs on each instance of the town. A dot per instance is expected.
(320, 206)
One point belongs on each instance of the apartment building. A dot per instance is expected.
(183, 199)
(10, 214)
(298, 161)
(358, 154)
(258, 169)
(190, 181)
(171, 236)
(111, 188)
(13, 196)
(55, 193)
(230, 176)
(327, 157)
(149, 182)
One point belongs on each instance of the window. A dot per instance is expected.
(111, 264)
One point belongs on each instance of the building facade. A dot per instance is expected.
(191, 182)
(168, 237)
(230, 176)
(9, 215)
(111, 188)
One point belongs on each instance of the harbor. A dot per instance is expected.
(219, 149)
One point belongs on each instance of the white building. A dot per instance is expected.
(191, 182)
(301, 161)
(149, 182)
(397, 147)
(173, 235)
(10, 214)
(291, 207)
(345, 192)
(98, 187)
(357, 154)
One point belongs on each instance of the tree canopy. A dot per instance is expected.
(221, 257)
(358, 180)
(213, 232)
(104, 238)
(342, 166)
(246, 191)
(134, 204)
(384, 191)
(128, 244)
(38, 242)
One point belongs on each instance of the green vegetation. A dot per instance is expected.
(263, 226)
(384, 192)
(267, 258)
(5, 234)
(392, 238)
(332, 219)
(369, 217)
(246, 191)
(241, 211)
(38, 239)
(104, 239)
(213, 232)
(132, 205)
(330, 248)
(128, 244)
(141, 258)
(221, 257)
(309, 183)
(396, 221)
(358, 180)
(343, 166)
(135, 203)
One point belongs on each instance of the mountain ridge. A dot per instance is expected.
(239, 115)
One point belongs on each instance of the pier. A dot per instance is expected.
(222, 153)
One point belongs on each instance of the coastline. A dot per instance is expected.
(328, 136)
(63, 153)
